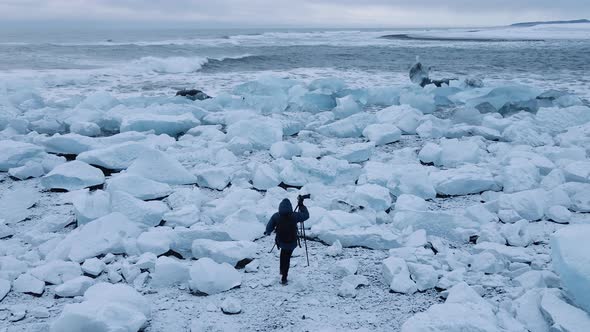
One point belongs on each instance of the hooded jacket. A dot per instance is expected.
(287, 214)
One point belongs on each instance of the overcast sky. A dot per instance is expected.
(294, 13)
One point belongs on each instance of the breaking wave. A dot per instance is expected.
(178, 65)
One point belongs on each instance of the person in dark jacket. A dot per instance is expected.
(284, 223)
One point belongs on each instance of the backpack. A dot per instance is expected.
(286, 230)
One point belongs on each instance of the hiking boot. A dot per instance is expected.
(284, 280)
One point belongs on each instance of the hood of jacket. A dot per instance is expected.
(285, 208)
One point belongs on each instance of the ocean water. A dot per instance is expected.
(60, 63)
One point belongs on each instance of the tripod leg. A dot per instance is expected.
(305, 241)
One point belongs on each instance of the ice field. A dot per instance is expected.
(456, 208)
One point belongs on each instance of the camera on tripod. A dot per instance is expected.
(301, 198)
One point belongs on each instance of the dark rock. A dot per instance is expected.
(193, 94)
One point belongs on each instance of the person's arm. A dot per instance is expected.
(272, 223)
(302, 214)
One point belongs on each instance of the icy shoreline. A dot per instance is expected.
(428, 190)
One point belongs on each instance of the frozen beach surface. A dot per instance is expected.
(453, 208)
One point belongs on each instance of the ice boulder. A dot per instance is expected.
(285, 150)
(404, 117)
(464, 310)
(328, 170)
(74, 287)
(424, 275)
(569, 247)
(172, 125)
(32, 169)
(410, 202)
(170, 271)
(26, 283)
(116, 157)
(93, 266)
(85, 128)
(158, 240)
(5, 287)
(210, 278)
(356, 152)
(372, 196)
(106, 308)
(352, 126)
(73, 175)
(138, 186)
(214, 177)
(149, 213)
(67, 144)
(231, 252)
(520, 175)
(158, 166)
(345, 267)
(90, 205)
(397, 275)
(564, 316)
(381, 134)
(559, 214)
(455, 152)
(265, 177)
(528, 204)
(468, 179)
(346, 107)
(578, 171)
(261, 133)
(430, 153)
(15, 154)
(56, 272)
(101, 236)
(374, 237)
(442, 224)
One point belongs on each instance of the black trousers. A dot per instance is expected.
(285, 261)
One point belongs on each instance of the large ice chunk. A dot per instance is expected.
(172, 125)
(327, 170)
(210, 278)
(352, 126)
(89, 205)
(372, 196)
(138, 186)
(438, 223)
(16, 154)
(464, 180)
(106, 308)
(116, 157)
(397, 275)
(101, 236)
(261, 133)
(529, 204)
(382, 133)
(230, 252)
(170, 271)
(56, 272)
(404, 117)
(149, 213)
(73, 175)
(158, 166)
(569, 247)
(455, 152)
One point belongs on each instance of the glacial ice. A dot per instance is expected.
(73, 175)
(160, 167)
(211, 278)
(15, 154)
(568, 251)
